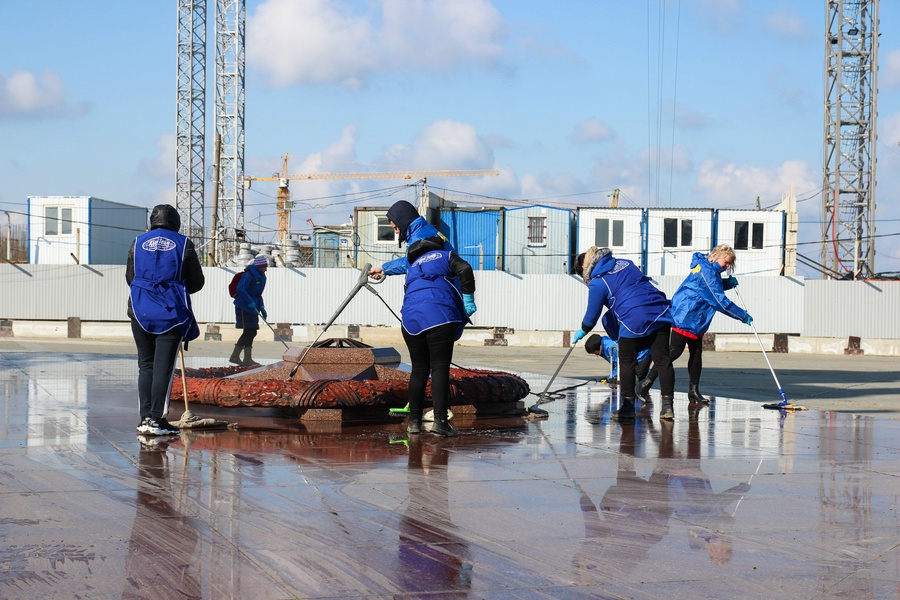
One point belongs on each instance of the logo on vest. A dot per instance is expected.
(158, 244)
(431, 256)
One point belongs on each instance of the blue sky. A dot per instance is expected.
(681, 103)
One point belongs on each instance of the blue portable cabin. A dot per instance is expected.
(538, 239)
(475, 233)
(757, 236)
(672, 237)
(619, 229)
(332, 246)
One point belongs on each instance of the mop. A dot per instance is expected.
(546, 396)
(784, 404)
(188, 419)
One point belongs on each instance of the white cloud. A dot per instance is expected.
(163, 165)
(22, 94)
(728, 185)
(443, 144)
(788, 25)
(593, 130)
(323, 41)
(889, 70)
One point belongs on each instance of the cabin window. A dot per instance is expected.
(537, 232)
(678, 233)
(609, 230)
(57, 220)
(385, 232)
(748, 235)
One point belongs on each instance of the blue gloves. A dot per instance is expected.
(265, 316)
(578, 335)
(469, 304)
(252, 307)
(734, 282)
(748, 319)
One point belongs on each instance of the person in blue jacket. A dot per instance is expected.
(607, 349)
(433, 317)
(696, 301)
(248, 306)
(162, 271)
(643, 315)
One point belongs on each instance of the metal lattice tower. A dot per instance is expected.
(190, 118)
(229, 123)
(848, 192)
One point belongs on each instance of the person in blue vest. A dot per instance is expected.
(248, 306)
(696, 301)
(643, 314)
(433, 316)
(163, 270)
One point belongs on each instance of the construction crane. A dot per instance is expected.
(284, 204)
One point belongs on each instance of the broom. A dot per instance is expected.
(188, 419)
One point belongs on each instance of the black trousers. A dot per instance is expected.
(156, 367)
(658, 343)
(431, 353)
(695, 354)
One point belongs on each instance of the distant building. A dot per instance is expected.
(476, 234)
(333, 246)
(539, 240)
(81, 230)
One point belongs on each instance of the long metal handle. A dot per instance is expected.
(784, 399)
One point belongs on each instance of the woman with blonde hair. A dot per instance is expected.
(699, 297)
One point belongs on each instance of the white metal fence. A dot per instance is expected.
(790, 305)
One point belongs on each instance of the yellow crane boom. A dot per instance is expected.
(284, 203)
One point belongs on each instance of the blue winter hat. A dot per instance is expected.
(260, 261)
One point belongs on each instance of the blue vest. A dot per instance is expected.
(431, 297)
(159, 298)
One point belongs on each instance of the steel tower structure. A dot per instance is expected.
(848, 189)
(229, 122)
(190, 118)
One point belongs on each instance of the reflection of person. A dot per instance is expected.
(693, 500)
(434, 312)
(608, 350)
(248, 306)
(162, 550)
(642, 314)
(162, 271)
(433, 556)
(633, 515)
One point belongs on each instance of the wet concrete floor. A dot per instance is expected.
(730, 501)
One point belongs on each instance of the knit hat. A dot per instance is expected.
(402, 214)
(260, 261)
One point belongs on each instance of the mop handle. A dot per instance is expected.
(559, 368)
(761, 347)
(183, 378)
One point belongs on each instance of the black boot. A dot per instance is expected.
(248, 357)
(646, 384)
(415, 422)
(666, 411)
(236, 355)
(626, 410)
(694, 394)
(443, 427)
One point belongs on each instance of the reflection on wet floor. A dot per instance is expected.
(729, 500)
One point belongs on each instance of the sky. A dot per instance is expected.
(677, 103)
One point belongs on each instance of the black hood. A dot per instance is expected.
(422, 246)
(402, 214)
(164, 216)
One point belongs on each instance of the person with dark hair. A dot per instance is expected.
(696, 301)
(438, 300)
(640, 312)
(607, 349)
(248, 306)
(162, 271)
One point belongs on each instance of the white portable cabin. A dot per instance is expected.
(333, 246)
(673, 235)
(538, 240)
(81, 230)
(619, 229)
(374, 238)
(758, 239)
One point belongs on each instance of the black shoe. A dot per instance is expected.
(694, 394)
(441, 427)
(666, 412)
(414, 426)
(159, 427)
(625, 412)
(644, 390)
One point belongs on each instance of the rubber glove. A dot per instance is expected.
(734, 282)
(578, 335)
(252, 307)
(748, 319)
(469, 304)
(265, 315)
